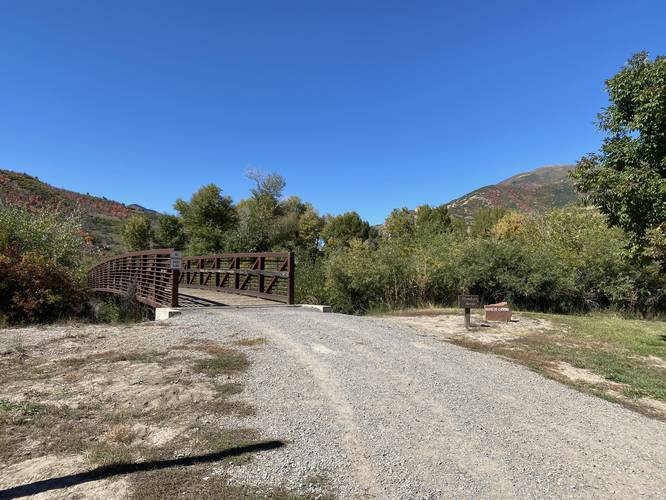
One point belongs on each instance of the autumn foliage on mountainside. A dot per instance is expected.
(26, 191)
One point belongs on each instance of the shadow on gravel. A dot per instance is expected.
(121, 469)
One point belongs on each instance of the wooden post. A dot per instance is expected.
(175, 275)
(468, 314)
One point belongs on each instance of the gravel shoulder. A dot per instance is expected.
(384, 411)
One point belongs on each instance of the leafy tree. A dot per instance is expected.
(400, 223)
(169, 232)
(485, 219)
(627, 178)
(207, 219)
(268, 187)
(137, 233)
(310, 226)
(433, 220)
(340, 230)
(260, 227)
(424, 220)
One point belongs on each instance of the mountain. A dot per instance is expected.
(103, 218)
(535, 191)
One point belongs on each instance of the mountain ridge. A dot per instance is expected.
(536, 190)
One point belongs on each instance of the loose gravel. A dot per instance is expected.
(375, 409)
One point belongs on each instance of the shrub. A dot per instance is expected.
(34, 288)
(41, 265)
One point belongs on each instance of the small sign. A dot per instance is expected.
(498, 312)
(176, 259)
(468, 301)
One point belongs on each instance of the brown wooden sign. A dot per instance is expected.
(468, 301)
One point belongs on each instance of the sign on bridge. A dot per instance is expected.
(176, 260)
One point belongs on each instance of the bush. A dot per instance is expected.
(34, 289)
(41, 265)
(309, 280)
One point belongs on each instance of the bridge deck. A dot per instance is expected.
(195, 297)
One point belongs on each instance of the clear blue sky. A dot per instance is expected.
(360, 105)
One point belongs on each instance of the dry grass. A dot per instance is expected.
(139, 406)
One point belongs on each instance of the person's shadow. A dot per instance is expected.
(107, 471)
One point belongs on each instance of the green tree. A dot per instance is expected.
(169, 232)
(340, 230)
(137, 233)
(627, 178)
(485, 219)
(424, 220)
(310, 226)
(433, 220)
(207, 219)
(400, 223)
(261, 225)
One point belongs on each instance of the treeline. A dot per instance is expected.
(567, 260)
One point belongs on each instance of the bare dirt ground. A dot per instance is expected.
(289, 403)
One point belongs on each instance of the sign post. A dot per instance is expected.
(467, 302)
(176, 263)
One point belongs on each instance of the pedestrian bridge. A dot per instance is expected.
(161, 278)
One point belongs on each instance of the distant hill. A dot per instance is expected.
(103, 218)
(534, 191)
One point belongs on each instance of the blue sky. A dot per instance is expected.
(360, 105)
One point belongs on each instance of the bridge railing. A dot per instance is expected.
(146, 275)
(267, 275)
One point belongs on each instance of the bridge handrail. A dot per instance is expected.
(267, 275)
(147, 275)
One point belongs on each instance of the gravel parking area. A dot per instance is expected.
(384, 411)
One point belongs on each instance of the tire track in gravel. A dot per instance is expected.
(340, 406)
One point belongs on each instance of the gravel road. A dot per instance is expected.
(384, 411)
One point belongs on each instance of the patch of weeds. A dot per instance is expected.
(25, 408)
(115, 357)
(45, 429)
(222, 361)
(250, 342)
(198, 482)
(222, 406)
(122, 434)
(110, 454)
(212, 440)
(229, 388)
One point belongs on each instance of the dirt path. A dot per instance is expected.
(384, 411)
